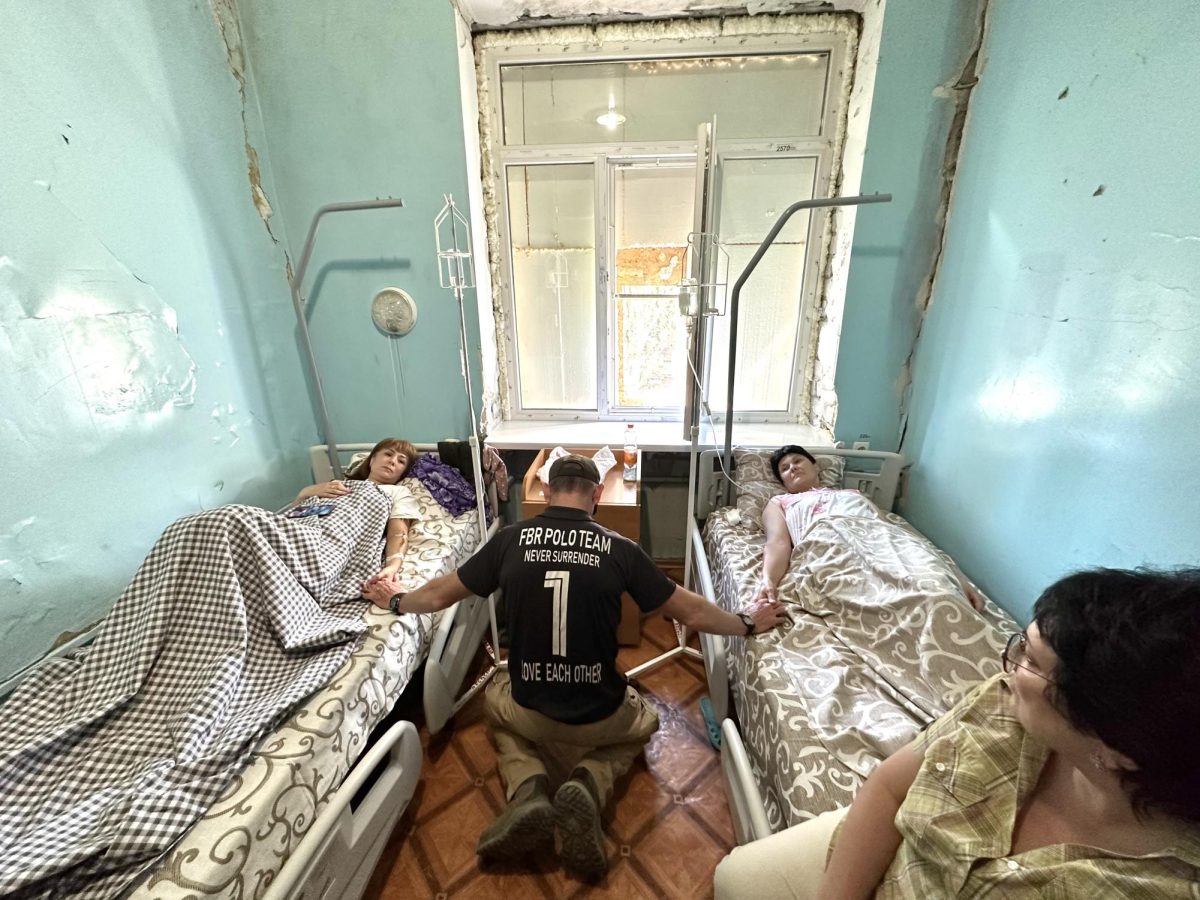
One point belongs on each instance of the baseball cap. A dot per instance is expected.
(574, 466)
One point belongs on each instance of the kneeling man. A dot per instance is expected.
(562, 577)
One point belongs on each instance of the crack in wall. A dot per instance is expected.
(224, 13)
(960, 90)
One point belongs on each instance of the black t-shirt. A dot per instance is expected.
(562, 576)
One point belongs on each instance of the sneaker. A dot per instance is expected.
(577, 815)
(525, 826)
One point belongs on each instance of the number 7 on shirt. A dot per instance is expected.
(560, 584)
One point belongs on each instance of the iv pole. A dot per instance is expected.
(452, 234)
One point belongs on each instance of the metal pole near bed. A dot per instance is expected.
(452, 233)
(736, 298)
(297, 281)
(693, 545)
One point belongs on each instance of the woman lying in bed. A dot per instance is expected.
(237, 614)
(384, 466)
(788, 516)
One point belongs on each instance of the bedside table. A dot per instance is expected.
(620, 509)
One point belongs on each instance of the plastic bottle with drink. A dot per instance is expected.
(631, 454)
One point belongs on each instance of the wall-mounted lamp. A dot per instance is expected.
(612, 118)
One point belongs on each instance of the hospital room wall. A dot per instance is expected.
(924, 47)
(1056, 398)
(147, 367)
(362, 101)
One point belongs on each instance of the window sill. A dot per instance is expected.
(532, 434)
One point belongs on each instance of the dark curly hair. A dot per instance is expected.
(1128, 645)
(779, 454)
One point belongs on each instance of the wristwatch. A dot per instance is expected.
(748, 622)
(394, 602)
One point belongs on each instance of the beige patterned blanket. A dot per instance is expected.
(882, 642)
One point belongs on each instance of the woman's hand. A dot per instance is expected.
(327, 489)
(767, 592)
(392, 567)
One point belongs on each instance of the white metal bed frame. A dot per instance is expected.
(876, 475)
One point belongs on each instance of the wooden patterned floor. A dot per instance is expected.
(668, 825)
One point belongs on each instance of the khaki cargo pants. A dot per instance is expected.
(525, 738)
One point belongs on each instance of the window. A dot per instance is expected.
(592, 164)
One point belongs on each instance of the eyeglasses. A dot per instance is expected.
(1016, 651)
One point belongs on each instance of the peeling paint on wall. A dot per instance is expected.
(101, 343)
(493, 13)
(958, 91)
(224, 13)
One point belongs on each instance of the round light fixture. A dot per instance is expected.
(610, 119)
(394, 312)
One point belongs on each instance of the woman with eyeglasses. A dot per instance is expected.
(1075, 773)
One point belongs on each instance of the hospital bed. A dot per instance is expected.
(311, 812)
(879, 645)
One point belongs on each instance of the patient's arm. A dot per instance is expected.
(868, 840)
(777, 551)
(397, 543)
(973, 596)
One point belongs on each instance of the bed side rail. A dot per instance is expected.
(712, 646)
(876, 473)
(338, 854)
(745, 802)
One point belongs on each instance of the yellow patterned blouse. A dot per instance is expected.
(957, 822)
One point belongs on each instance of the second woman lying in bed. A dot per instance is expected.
(788, 516)
(384, 466)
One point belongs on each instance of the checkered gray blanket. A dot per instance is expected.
(108, 757)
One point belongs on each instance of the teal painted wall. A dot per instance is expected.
(361, 101)
(146, 364)
(925, 44)
(1056, 399)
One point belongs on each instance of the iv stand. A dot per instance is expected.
(452, 234)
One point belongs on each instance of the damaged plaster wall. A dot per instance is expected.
(925, 48)
(1056, 397)
(362, 101)
(495, 13)
(145, 370)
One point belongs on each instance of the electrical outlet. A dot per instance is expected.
(863, 442)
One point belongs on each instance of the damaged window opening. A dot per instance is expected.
(589, 144)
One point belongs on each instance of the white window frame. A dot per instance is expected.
(826, 148)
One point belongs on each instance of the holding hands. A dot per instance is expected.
(767, 591)
(767, 612)
(380, 588)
